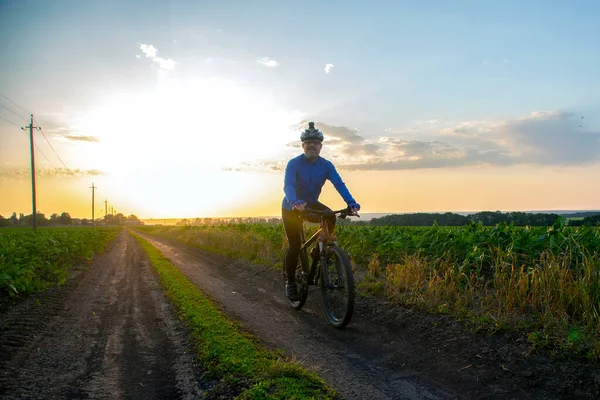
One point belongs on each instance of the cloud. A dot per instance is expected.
(401, 131)
(70, 172)
(469, 130)
(68, 134)
(165, 64)
(342, 133)
(258, 166)
(541, 138)
(399, 154)
(24, 173)
(81, 138)
(426, 122)
(262, 165)
(550, 138)
(152, 52)
(267, 62)
(294, 145)
(328, 68)
(149, 50)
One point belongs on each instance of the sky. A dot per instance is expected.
(183, 108)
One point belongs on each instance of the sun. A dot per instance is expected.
(179, 136)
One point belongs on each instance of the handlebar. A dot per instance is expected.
(343, 213)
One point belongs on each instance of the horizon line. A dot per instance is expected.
(563, 211)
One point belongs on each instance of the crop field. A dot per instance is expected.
(544, 281)
(33, 261)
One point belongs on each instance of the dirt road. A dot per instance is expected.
(110, 334)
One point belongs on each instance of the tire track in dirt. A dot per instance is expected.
(108, 333)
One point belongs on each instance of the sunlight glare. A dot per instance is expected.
(184, 131)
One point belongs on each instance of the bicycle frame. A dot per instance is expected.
(322, 235)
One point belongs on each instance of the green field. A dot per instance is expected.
(542, 281)
(31, 261)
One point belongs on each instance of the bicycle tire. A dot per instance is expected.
(301, 281)
(330, 284)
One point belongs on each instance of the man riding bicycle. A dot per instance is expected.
(305, 176)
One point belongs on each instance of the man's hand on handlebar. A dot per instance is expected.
(354, 208)
(299, 205)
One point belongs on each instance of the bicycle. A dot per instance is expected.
(334, 275)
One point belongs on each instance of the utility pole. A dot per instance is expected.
(105, 212)
(32, 168)
(93, 221)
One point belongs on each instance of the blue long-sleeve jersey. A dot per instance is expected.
(304, 181)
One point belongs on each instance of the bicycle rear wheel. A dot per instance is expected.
(301, 281)
(337, 287)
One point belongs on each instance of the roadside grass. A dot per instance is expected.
(234, 357)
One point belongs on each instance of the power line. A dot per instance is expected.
(14, 103)
(57, 156)
(10, 122)
(23, 118)
(36, 146)
(49, 144)
(40, 150)
(42, 153)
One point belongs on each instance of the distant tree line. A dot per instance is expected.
(486, 218)
(582, 214)
(65, 219)
(592, 220)
(225, 221)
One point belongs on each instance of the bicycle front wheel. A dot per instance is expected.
(337, 287)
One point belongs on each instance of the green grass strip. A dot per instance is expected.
(228, 353)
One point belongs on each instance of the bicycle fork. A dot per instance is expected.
(324, 270)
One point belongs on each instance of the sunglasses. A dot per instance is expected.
(312, 142)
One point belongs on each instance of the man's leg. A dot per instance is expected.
(330, 220)
(314, 254)
(293, 229)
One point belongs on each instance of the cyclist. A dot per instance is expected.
(305, 176)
